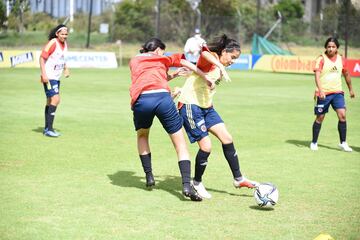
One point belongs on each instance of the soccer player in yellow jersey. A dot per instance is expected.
(200, 117)
(328, 70)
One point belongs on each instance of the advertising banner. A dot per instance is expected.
(19, 58)
(242, 63)
(290, 64)
(30, 58)
(353, 65)
(91, 60)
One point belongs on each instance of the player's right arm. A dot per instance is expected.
(43, 78)
(197, 70)
(46, 52)
(211, 59)
(318, 68)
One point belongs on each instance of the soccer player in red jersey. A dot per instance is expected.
(200, 117)
(52, 65)
(150, 97)
(328, 70)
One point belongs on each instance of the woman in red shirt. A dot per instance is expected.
(150, 97)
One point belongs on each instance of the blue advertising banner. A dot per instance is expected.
(244, 62)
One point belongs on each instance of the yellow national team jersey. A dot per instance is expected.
(196, 91)
(330, 76)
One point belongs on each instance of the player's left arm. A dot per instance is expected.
(348, 82)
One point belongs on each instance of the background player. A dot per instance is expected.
(328, 69)
(150, 97)
(52, 65)
(200, 117)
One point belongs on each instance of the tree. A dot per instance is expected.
(3, 17)
(19, 8)
(134, 20)
(292, 13)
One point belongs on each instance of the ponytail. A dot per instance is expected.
(151, 45)
(222, 43)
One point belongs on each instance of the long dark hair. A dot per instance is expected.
(332, 39)
(151, 45)
(223, 42)
(53, 31)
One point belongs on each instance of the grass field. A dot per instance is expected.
(89, 184)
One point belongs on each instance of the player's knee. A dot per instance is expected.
(320, 118)
(206, 148)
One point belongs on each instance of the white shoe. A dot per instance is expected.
(200, 188)
(314, 146)
(344, 146)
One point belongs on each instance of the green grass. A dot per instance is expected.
(89, 184)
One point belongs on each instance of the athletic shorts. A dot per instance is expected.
(198, 120)
(161, 105)
(336, 101)
(52, 88)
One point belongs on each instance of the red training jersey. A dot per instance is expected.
(149, 72)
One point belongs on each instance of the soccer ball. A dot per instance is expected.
(266, 195)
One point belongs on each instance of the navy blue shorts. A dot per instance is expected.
(161, 105)
(52, 88)
(198, 120)
(336, 100)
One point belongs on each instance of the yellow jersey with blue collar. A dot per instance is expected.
(330, 73)
(196, 91)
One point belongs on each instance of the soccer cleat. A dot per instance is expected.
(314, 146)
(345, 147)
(245, 183)
(150, 179)
(201, 190)
(51, 133)
(190, 192)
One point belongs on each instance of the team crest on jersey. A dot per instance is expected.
(203, 128)
(320, 110)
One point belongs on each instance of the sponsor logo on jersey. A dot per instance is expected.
(22, 58)
(334, 69)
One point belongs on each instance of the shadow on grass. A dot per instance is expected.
(169, 184)
(261, 208)
(232, 194)
(356, 149)
(38, 130)
(41, 129)
(301, 143)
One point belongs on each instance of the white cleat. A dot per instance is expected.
(201, 190)
(345, 147)
(314, 146)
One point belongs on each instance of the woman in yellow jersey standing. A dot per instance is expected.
(200, 117)
(328, 70)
